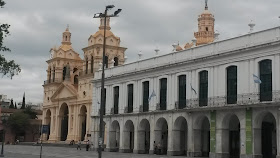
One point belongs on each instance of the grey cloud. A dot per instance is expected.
(37, 25)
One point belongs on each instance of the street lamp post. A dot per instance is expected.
(100, 15)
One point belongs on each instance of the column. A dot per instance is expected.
(170, 92)
(248, 134)
(190, 151)
(95, 132)
(152, 134)
(108, 145)
(212, 134)
(136, 138)
(170, 141)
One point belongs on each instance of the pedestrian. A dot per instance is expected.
(155, 147)
(87, 146)
(79, 145)
(159, 148)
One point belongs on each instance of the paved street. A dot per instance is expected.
(22, 151)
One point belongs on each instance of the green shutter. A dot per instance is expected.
(203, 88)
(266, 78)
(163, 92)
(146, 96)
(182, 91)
(130, 98)
(232, 85)
(116, 100)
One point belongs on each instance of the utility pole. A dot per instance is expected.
(102, 105)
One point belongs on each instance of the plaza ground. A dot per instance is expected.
(23, 151)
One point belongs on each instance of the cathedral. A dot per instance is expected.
(211, 98)
(68, 96)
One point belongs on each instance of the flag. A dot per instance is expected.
(193, 89)
(257, 79)
(152, 95)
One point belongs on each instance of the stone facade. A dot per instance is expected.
(220, 126)
(68, 90)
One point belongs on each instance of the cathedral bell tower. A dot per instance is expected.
(206, 22)
(66, 37)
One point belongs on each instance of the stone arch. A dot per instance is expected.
(114, 136)
(231, 136)
(63, 119)
(116, 61)
(48, 121)
(180, 136)
(143, 137)
(161, 135)
(83, 122)
(128, 139)
(265, 134)
(201, 132)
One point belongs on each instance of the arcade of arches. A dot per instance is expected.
(67, 122)
(225, 134)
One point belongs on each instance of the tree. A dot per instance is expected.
(11, 104)
(30, 112)
(7, 68)
(15, 105)
(18, 122)
(23, 102)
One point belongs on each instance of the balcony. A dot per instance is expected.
(83, 73)
(52, 81)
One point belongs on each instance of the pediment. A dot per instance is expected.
(64, 91)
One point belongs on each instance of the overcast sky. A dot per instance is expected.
(37, 25)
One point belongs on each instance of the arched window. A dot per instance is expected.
(182, 91)
(53, 74)
(203, 88)
(65, 38)
(106, 62)
(206, 28)
(86, 65)
(232, 85)
(75, 69)
(50, 75)
(266, 78)
(76, 81)
(64, 73)
(116, 59)
(91, 64)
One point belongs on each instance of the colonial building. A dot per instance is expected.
(219, 99)
(68, 91)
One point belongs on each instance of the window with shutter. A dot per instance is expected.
(266, 78)
(232, 85)
(203, 88)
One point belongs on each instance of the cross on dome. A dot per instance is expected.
(206, 4)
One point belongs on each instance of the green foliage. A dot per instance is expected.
(30, 112)
(23, 102)
(12, 104)
(18, 122)
(7, 68)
